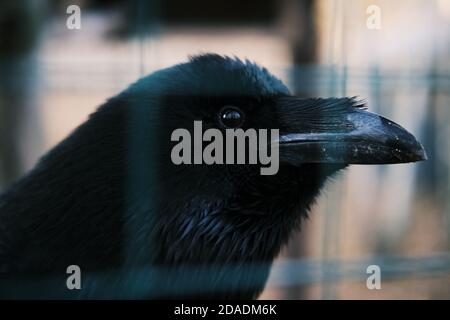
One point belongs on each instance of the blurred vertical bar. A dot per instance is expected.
(147, 25)
(333, 202)
(19, 31)
(300, 19)
(434, 174)
(142, 20)
(432, 170)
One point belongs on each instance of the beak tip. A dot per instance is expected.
(415, 152)
(420, 154)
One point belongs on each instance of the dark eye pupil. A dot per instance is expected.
(231, 118)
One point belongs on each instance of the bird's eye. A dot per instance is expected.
(231, 117)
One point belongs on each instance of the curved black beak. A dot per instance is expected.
(339, 131)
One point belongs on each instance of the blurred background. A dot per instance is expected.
(393, 54)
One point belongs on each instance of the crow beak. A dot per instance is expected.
(342, 134)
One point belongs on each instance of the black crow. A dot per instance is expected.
(110, 200)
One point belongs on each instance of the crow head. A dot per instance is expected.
(225, 93)
(226, 214)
